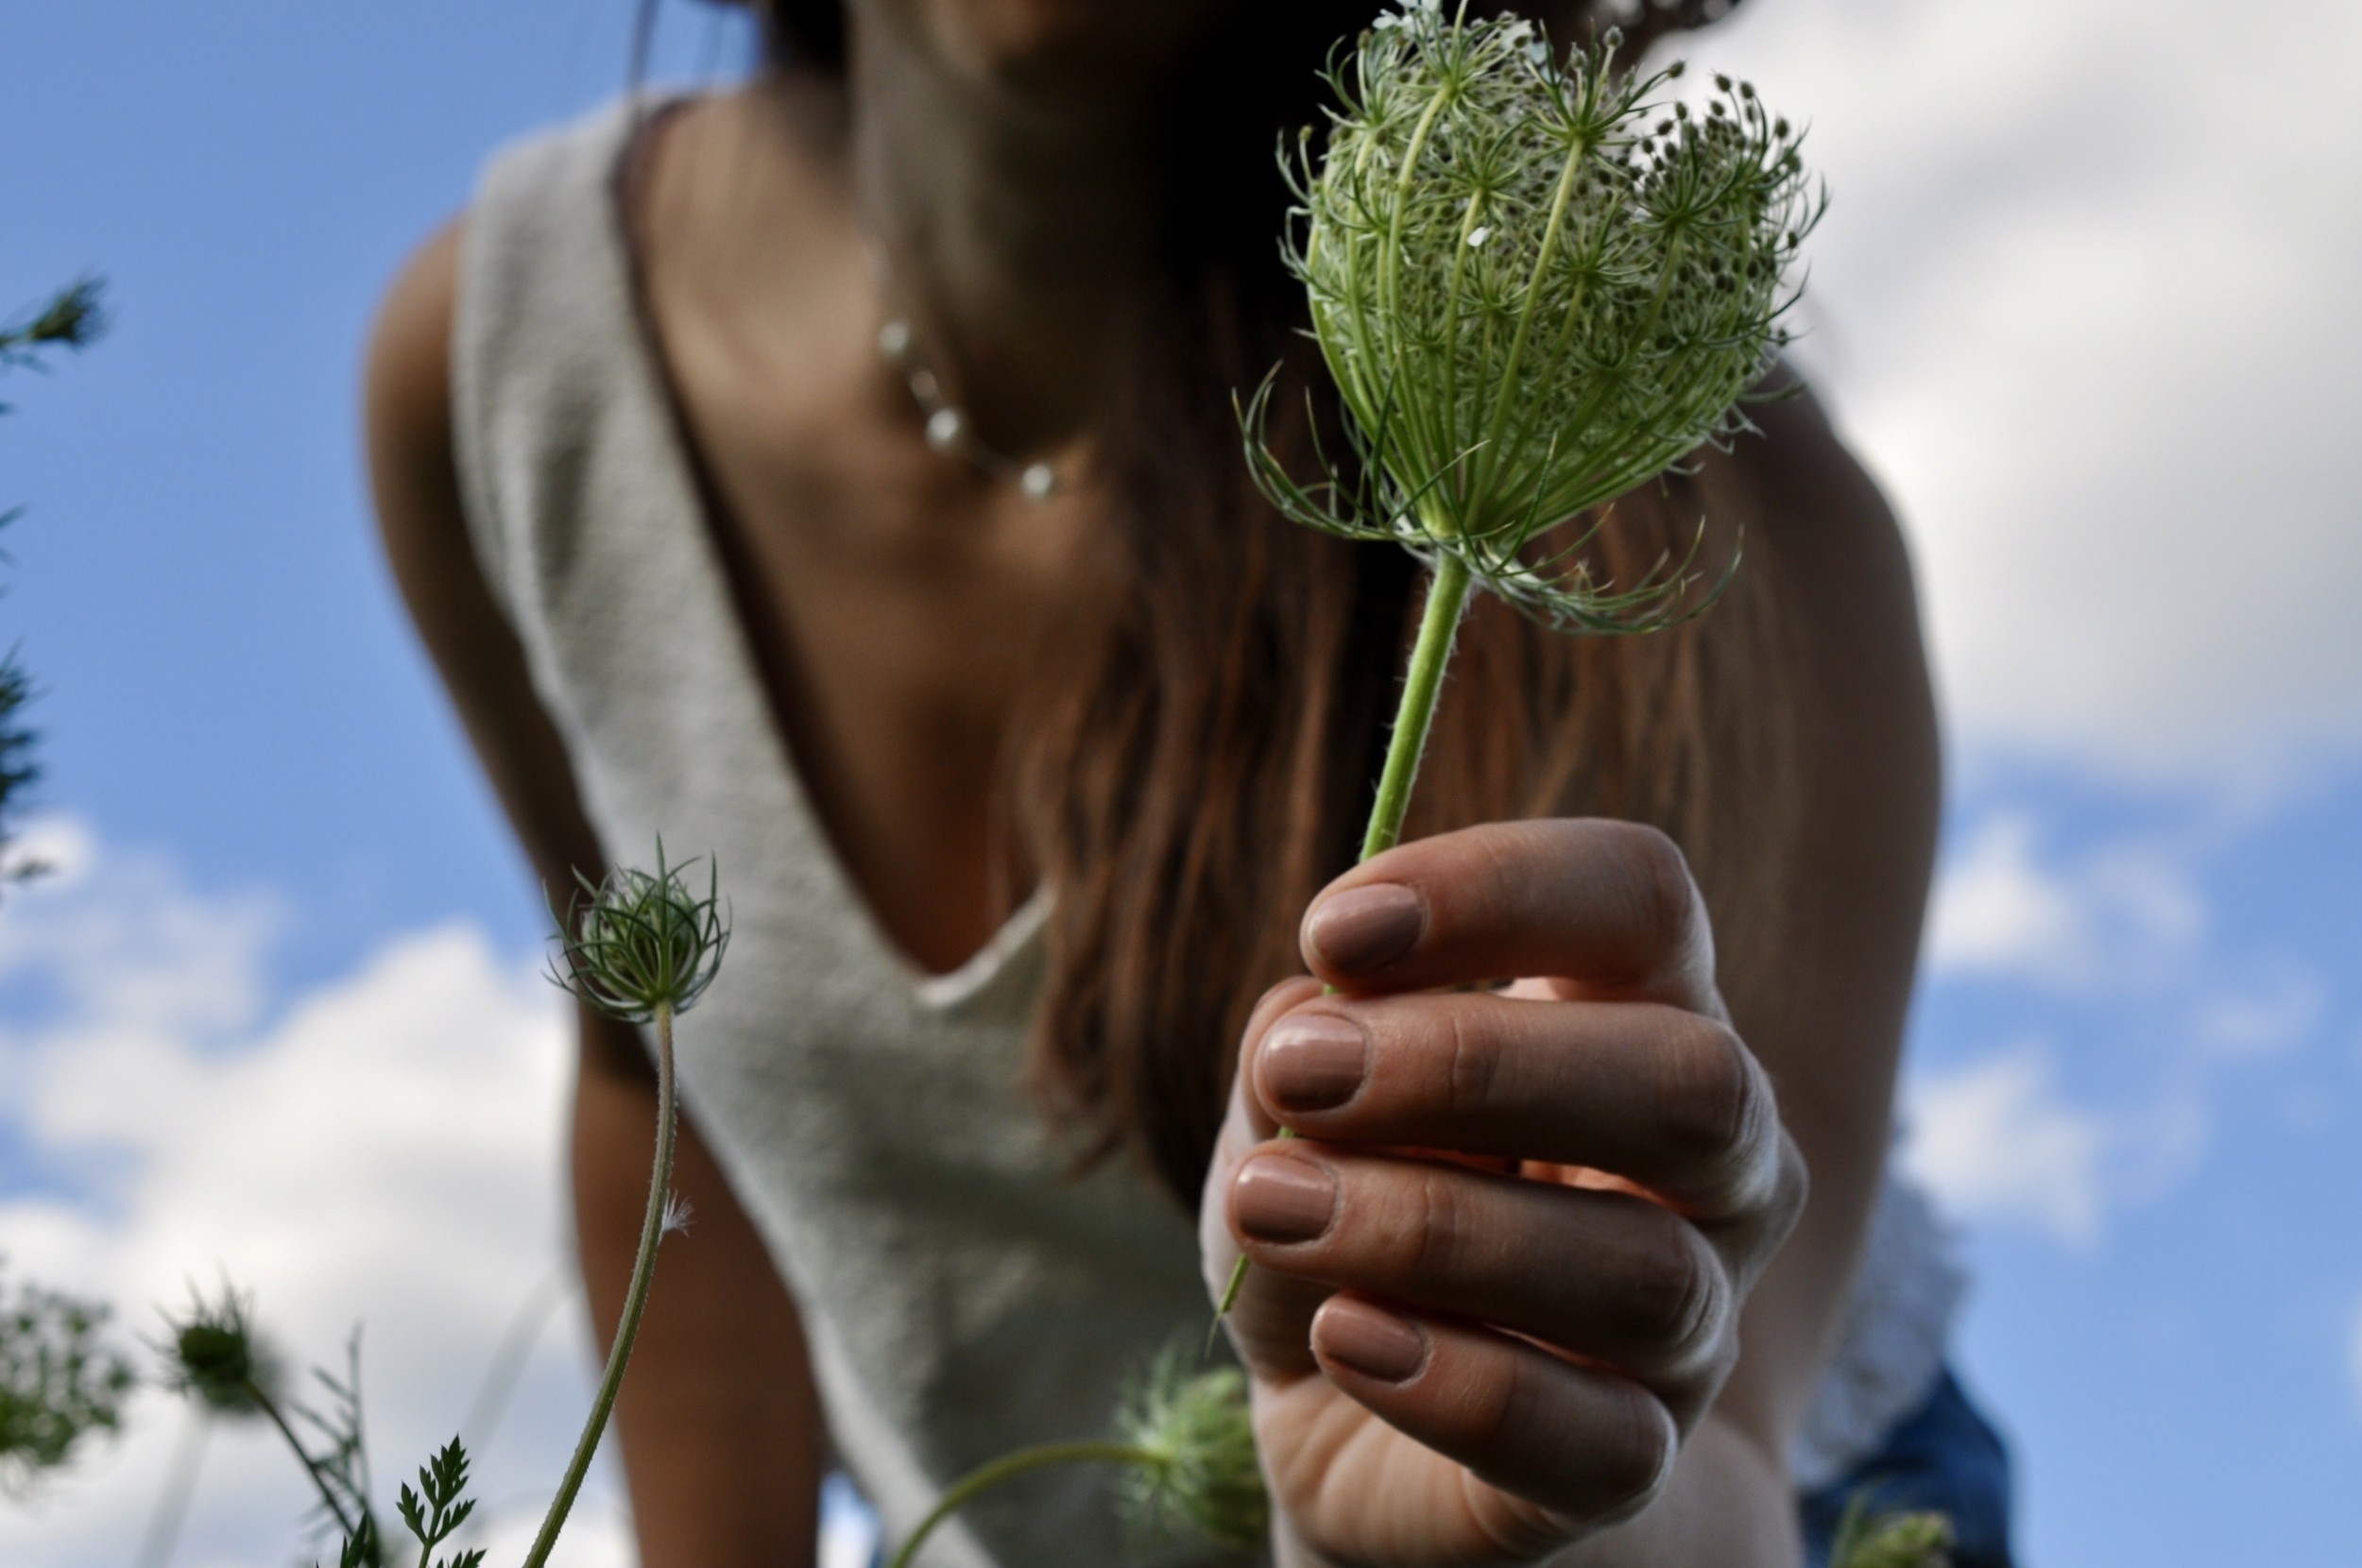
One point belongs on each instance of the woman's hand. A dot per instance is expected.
(1496, 1280)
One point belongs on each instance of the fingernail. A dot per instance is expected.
(1365, 928)
(1315, 1062)
(1280, 1198)
(1370, 1339)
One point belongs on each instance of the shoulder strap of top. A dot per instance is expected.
(543, 323)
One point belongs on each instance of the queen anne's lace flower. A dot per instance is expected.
(1535, 287)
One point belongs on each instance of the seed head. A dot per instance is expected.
(213, 1355)
(1203, 1436)
(1629, 289)
(1871, 1540)
(642, 942)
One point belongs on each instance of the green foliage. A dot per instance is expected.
(642, 943)
(61, 1382)
(1198, 1467)
(438, 1509)
(1536, 288)
(71, 319)
(1868, 1539)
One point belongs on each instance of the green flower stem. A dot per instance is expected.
(1422, 684)
(269, 1407)
(635, 1300)
(984, 1477)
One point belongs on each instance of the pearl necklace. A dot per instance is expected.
(948, 429)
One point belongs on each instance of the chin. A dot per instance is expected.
(1088, 44)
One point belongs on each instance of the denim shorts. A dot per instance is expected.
(1944, 1457)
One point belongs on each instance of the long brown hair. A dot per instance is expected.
(1200, 779)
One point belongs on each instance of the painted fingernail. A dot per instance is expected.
(1280, 1198)
(1370, 1339)
(1315, 1062)
(1365, 928)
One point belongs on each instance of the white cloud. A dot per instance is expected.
(1996, 1141)
(2111, 916)
(2081, 299)
(385, 1149)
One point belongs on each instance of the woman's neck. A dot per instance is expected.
(1013, 226)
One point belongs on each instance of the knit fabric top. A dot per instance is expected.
(962, 1295)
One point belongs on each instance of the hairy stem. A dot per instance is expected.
(984, 1477)
(1414, 715)
(635, 1300)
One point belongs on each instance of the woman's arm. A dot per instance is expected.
(722, 1433)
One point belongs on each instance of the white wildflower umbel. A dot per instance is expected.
(1536, 288)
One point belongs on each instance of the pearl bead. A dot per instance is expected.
(946, 427)
(1039, 482)
(893, 340)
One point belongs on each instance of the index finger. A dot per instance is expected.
(1606, 905)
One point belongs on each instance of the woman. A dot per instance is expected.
(1024, 736)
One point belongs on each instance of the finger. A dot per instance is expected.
(1604, 1275)
(1570, 1448)
(1664, 1097)
(1609, 905)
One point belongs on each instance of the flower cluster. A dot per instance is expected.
(1199, 1468)
(1535, 287)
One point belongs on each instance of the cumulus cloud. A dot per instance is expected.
(2108, 916)
(1997, 1141)
(2081, 301)
(385, 1149)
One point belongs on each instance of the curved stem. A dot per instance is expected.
(345, 1522)
(984, 1477)
(1414, 715)
(634, 1301)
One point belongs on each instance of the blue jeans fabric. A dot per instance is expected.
(1945, 1457)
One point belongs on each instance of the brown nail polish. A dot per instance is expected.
(1280, 1199)
(1367, 928)
(1369, 1340)
(1315, 1062)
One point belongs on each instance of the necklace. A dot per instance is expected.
(949, 430)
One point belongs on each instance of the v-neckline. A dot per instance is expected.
(745, 612)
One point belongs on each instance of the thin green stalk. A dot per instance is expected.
(269, 1407)
(635, 1300)
(1422, 684)
(984, 1477)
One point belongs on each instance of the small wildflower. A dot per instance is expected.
(1902, 1539)
(642, 943)
(61, 1382)
(1200, 1467)
(213, 1355)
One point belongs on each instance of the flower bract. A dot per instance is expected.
(642, 943)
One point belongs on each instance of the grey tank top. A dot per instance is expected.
(961, 1294)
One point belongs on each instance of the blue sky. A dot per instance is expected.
(2080, 302)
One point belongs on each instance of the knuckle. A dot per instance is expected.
(1474, 1062)
(1433, 1241)
(1636, 1460)
(1662, 881)
(1716, 1101)
(1673, 1294)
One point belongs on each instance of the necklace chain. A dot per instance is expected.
(949, 430)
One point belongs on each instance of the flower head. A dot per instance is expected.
(642, 942)
(1205, 1472)
(213, 1355)
(1536, 288)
